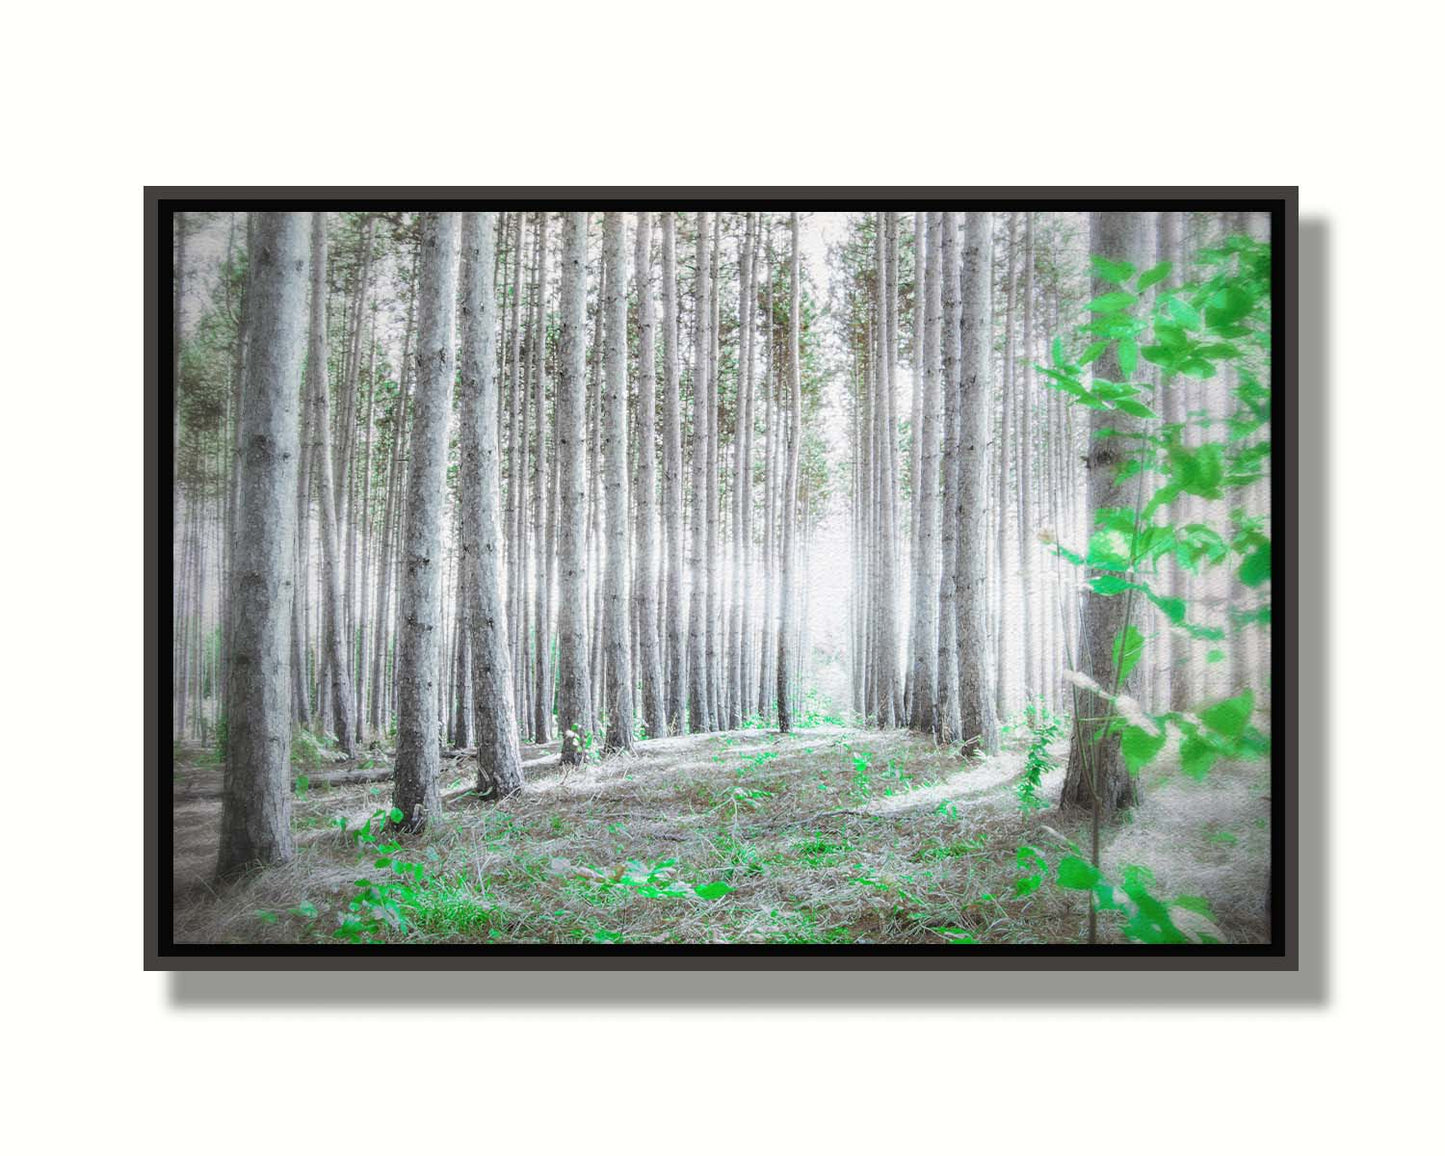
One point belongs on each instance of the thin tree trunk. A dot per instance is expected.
(978, 723)
(336, 658)
(790, 499)
(654, 716)
(418, 754)
(499, 763)
(574, 705)
(948, 720)
(925, 480)
(699, 719)
(1097, 778)
(617, 593)
(672, 485)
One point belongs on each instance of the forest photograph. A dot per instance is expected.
(756, 575)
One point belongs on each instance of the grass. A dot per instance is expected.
(831, 835)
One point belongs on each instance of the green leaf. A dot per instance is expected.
(712, 890)
(1139, 747)
(1128, 649)
(1196, 757)
(1185, 314)
(1128, 356)
(1256, 567)
(1155, 275)
(1214, 656)
(1229, 717)
(1134, 408)
(1111, 302)
(1093, 352)
(1077, 874)
(1057, 350)
(1114, 271)
(1173, 609)
(1109, 584)
(1109, 550)
(397, 815)
(1027, 885)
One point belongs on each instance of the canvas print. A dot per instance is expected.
(764, 576)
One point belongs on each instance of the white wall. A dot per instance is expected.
(105, 1057)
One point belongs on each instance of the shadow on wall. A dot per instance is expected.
(1013, 985)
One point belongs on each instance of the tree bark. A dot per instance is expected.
(542, 612)
(617, 594)
(948, 722)
(418, 752)
(790, 497)
(978, 723)
(654, 716)
(672, 485)
(925, 479)
(699, 719)
(499, 762)
(256, 808)
(1097, 778)
(335, 612)
(574, 703)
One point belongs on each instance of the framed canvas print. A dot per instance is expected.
(690, 578)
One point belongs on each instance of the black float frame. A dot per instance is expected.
(1280, 954)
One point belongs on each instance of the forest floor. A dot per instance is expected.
(828, 835)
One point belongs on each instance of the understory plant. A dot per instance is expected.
(1216, 321)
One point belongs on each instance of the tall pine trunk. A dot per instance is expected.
(978, 723)
(644, 578)
(499, 765)
(676, 613)
(790, 495)
(698, 717)
(256, 800)
(418, 753)
(1097, 778)
(617, 594)
(574, 702)
(343, 719)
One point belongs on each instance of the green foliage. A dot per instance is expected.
(1218, 318)
(1044, 727)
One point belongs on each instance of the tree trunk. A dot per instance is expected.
(886, 439)
(418, 753)
(499, 763)
(925, 482)
(256, 808)
(542, 612)
(672, 485)
(1097, 777)
(948, 721)
(574, 703)
(698, 717)
(335, 614)
(654, 715)
(617, 593)
(975, 698)
(790, 496)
